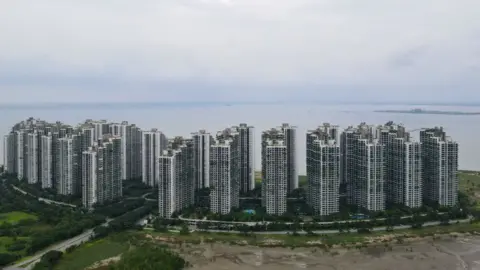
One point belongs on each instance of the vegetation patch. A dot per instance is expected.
(28, 225)
(16, 216)
(89, 253)
(12, 244)
(150, 257)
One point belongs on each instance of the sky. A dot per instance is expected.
(239, 50)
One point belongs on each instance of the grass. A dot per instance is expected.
(16, 216)
(5, 241)
(469, 183)
(91, 252)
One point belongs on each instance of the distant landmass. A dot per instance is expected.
(421, 111)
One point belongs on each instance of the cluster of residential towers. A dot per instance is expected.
(89, 160)
(371, 165)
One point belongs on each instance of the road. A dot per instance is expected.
(144, 196)
(62, 246)
(376, 229)
(250, 223)
(45, 200)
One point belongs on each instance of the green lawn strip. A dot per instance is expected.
(307, 240)
(91, 252)
(16, 216)
(469, 180)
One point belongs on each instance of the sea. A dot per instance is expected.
(184, 118)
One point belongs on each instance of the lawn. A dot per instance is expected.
(7, 241)
(16, 216)
(91, 252)
(469, 183)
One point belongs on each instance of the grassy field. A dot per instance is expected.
(469, 183)
(16, 216)
(89, 253)
(7, 241)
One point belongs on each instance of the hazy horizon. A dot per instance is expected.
(183, 120)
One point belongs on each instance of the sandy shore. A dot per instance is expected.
(449, 253)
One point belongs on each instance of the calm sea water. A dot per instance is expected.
(182, 120)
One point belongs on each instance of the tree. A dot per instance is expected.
(184, 230)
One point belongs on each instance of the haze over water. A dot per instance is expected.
(176, 120)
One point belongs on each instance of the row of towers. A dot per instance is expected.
(224, 163)
(372, 166)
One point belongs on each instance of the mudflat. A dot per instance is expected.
(448, 253)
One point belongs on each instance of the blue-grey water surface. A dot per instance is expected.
(182, 120)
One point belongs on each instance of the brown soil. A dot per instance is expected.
(450, 253)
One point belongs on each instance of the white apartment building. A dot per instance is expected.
(246, 146)
(202, 141)
(46, 161)
(369, 183)
(440, 167)
(406, 179)
(323, 170)
(89, 178)
(9, 154)
(134, 152)
(112, 168)
(153, 143)
(225, 172)
(275, 181)
(88, 138)
(120, 130)
(403, 171)
(176, 184)
(21, 143)
(69, 174)
(290, 140)
(287, 134)
(32, 157)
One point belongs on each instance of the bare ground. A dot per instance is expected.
(459, 253)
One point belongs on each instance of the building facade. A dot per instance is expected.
(246, 142)
(202, 141)
(153, 143)
(46, 161)
(176, 183)
(323, 170)
(89, 178)
(363, 166)
(32, 157)
(225, 172)
(440, 167)
(275, 180)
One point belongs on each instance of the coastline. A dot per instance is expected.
(427, 112)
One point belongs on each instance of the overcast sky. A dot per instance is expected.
(215, 50)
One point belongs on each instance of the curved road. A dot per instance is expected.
(45, 200)
(62, 246)
(376, 229)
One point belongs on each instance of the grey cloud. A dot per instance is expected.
(235, 49)
(408, 57)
